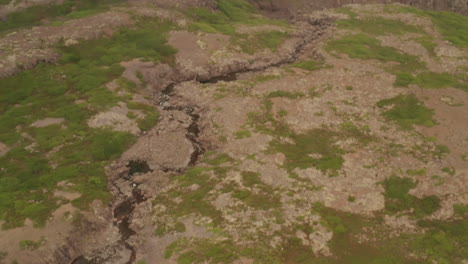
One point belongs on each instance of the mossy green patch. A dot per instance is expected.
(316, 148)
(230, 14)
(262, 200)
(77, 153)
(434, 80)
(148, 41)
(150, 112)
(431, 80)
(416, 172)
(251, 178)
(195, 200)
(219, 160)
(460, 209)
(361, 46)
(31, 245)
(398, 199)
(449, 170)
(203, 251)
(410, 69)
(379, 26)
(443, 241)
(163, 229)
(344, 245)
(243, 134)
(309, 65)
(34, 15)
(428, 43)
(348, 11)
(452, 26)
(406, 111)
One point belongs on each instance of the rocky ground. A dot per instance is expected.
(288, 154)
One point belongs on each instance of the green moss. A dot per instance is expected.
(441, 151)
(205, 251)
(126, 84)
(416, 172)
(150, 36)
(316, 148)
(397, 198)
(320, 142)
(230, 14)
(265, 78)
(432, 80)
(193, 201)
(210, 22)
(449, 170)
(219, 160)
(361, 134)
(150, 112)
(410, 69)
(243, 134)
(170, 250)
(407, 110)
(428, 43)
(163, 229)
(34, 15)
(82, 152)
(443, 242)
(250, 178)
(102, 99)
(361, 46)
(452, 26)
(403, 79)
(179, 227)
(460, 209)
(348, 11)
(31, 245)
(261, 200)
(83, 13)
(398, 188)
(379, 26)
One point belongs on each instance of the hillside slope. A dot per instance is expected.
(209, 132)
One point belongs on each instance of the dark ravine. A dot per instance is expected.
(193, 130)
(122, 214)
(125, 204)
(123, 211)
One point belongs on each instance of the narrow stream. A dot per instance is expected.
(123, 212)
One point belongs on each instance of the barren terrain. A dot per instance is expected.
(213, 132)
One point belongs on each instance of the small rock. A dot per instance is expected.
(3, 149)
(70, 42)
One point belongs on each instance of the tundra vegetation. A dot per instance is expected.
(265, 222)
(71, 151)
(441, 242)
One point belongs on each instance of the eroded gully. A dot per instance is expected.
(123, 210)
